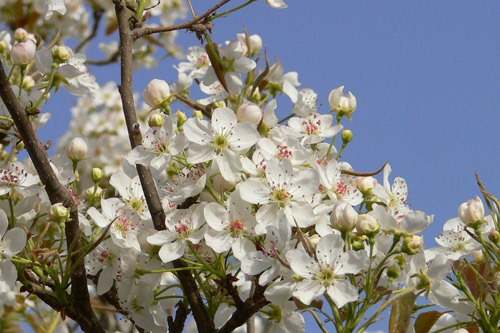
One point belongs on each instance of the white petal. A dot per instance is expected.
(172, 251)
(342, 292)
(255, 262)
(13, 242)
(198, 131)
(200, 153)
(307, 290)
(161, 237)
(302, 264)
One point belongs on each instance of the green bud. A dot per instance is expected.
(347, 136)
(156, 120)
(58, 213)
(61, 54)
(412, 244)
(97, 175)
(198, 114)
(394, 271)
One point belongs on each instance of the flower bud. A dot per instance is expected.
(156, 120)
(198, 114)
(365, 184)
(343, 217)
(472, 212)
(77, 149)
(157, 93)
(494, 237)
(93, 193)
(58, 213)
(97, 175)
(412, 244)
(343, 104)
(249, 113)
(23, 53)
(20, 35)
(367, 225)
(28, 82)
(253, 44)
(347, 136)
(61, 54)
(394, 271)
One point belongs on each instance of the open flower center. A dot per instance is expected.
(220, 143)
(326, 276)
(281, 196)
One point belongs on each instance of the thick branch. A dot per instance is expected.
(127, 95)
(144, 31)
(57, 193)
(203, 321)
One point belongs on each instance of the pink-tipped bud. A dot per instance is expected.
(23, 53)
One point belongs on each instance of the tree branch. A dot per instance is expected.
(57, 193)
(190, 288)
(144, 31)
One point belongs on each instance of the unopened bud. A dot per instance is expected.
(93, 193)
(343, 217)
(367, 225)
(97, 175)
(365, 184)
(61, 54)
(157, 94)
(472, 212)
(77, 149)
(250, 113)
(394, 271)
(156, 120)
(20, 35)
(494, 237)
(412, 244)
(478, 256)
(23, 53)
(58, 213)
(347, 136)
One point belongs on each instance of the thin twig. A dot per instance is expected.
(144, 31)
(98, 12)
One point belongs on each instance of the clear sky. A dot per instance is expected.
(426, 75)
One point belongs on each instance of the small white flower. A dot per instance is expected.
(222, 141)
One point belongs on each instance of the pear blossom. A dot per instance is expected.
(454, 242)
(305, 105)
(183, 226)
(198, 63)
(51, 6)
(130, 190)
(337, 186)
(233, 63)
(229, 227)
(222, 141)
(315, 128)
(283, 192)
(327, 273)
(343, 104)
(472, 212)
(159, 144)
(394, 196)
(279, 81)
(14, 177)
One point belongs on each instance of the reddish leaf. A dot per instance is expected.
(426, 320)
(400, 313)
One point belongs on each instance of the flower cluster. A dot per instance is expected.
(258, 203)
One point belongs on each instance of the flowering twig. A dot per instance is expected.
(80, 300)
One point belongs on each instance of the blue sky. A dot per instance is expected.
(425, 73)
